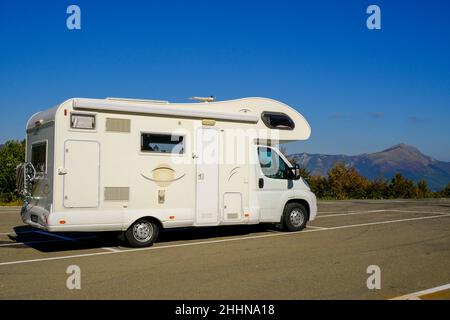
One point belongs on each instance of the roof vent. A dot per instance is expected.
(203, 99)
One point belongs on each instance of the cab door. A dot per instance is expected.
(273, 187)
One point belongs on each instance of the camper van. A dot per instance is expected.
(140, 166)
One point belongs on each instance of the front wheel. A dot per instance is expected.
(142, 233)
(295, 217)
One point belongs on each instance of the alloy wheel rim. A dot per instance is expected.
(143, 231)
(297, 218)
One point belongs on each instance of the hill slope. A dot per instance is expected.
(407, 160)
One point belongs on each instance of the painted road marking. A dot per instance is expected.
(15, 233)
(349, 213)
(417, 295)
(111, 249)
(273, 231)
(15, 244)
(415, 211)
(219, 241)
(385, 222)
(27, 243)
(325, 202)
(316, 227)
(337, 214)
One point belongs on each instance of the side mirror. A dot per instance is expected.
(294, 172)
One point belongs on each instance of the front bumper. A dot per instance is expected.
(312, 207)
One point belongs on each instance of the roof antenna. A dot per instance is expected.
(204, 99)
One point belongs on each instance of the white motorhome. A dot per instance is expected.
(138, 166)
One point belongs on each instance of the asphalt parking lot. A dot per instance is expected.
(408, 240)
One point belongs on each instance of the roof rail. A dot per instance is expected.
(137, 100)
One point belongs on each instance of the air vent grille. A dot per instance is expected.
(117, 193)
(118, 125)
(232, 216)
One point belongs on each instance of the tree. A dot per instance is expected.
(336, 181)
(401, 188)
(378, 189)
(422, 189)
(445, 193)
(347, 183)
(305, 174)
(357, 185)
(11, 154)
(411, 190)
(319, 185)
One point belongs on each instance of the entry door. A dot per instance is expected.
(207, 176)
(82, 167)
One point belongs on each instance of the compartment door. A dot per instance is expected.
(81, 182)
(232, 206)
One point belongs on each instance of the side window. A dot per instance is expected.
(272, 165)
(162, 143)
(277, 120)
(39, 157)
(82, 121)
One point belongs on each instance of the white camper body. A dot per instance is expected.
(106, 164)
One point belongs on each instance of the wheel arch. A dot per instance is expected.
(149, 218)
(299, 201)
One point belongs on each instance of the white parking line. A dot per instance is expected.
(315, 227)
(337, 214)
(218, 241)
(43, 241)
(274, 231)
(12, 244)
(111, 249)
(416, 295)
(414, 211)
(15, 233)
(325, 202)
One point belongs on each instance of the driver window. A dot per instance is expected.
(272, 165)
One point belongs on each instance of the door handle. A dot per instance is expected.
(261, 183)
(62, 171)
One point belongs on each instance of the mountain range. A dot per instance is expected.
(401, 158)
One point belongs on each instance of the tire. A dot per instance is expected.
(142, 233)
(295, 217)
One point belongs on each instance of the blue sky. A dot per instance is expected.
(361, 90)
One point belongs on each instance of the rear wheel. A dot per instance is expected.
(142, 233)
(295, 217)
